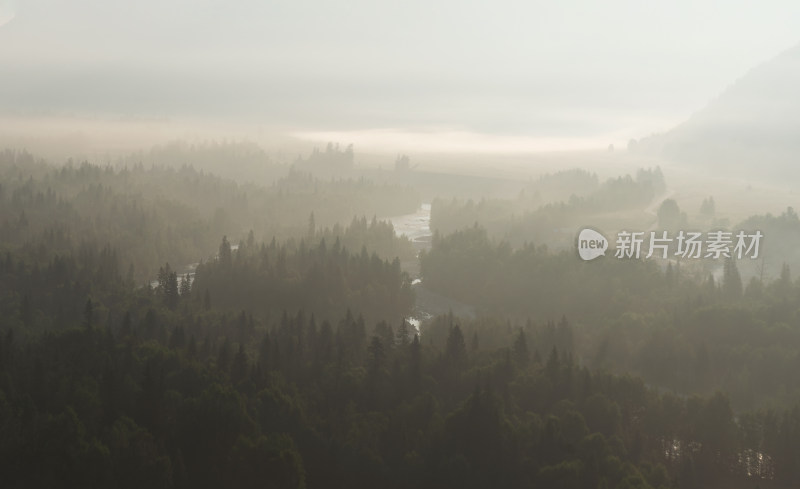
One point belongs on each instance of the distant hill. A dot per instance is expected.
(753, 127)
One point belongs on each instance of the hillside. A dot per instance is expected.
(751, 127)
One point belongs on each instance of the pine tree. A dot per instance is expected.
(731, 280)
(455, 348)
(168, 285)
(130, 280)
(225, 257)
(178, 338)
(785, 282)
(127, 328)
(25, 311)
(207, 300)
(416, 360)
(312, 226)
(377, 355)
(564, 338)
(88, 314)
(186, 286)
(669, 275)
(224, 356)
(240, 366)
(403, 334)
(264, 352)
(191, 350)
(553, 364)
(521, 352)
(171, 295)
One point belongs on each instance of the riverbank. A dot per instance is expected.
(428, 304)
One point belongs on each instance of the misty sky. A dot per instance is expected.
(549, 70)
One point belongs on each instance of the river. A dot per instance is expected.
(417, 227)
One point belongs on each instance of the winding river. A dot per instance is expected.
(417, 227)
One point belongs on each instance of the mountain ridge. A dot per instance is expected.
(754, 121)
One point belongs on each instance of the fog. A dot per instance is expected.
(523, 76)
(303, 244)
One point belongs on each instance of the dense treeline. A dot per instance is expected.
(318, 278)
(332, 161)
(781, 243)
(677, 327)
(378, 236)
(533, 281)
(554, 187)
(241, 161)
(335, 200)
(161, 214)
(90, 366)
(288, 362)
(105, 384)
(546, 208)
(135, 393)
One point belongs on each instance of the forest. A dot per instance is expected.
(399, 245)
(285, 355)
